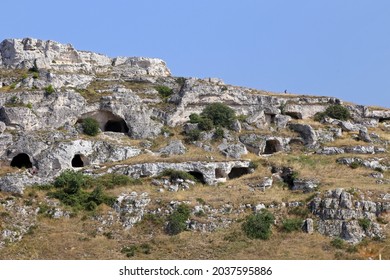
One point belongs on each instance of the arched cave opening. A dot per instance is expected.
(237, 172)
(198, 176)
(21, 160)
(270, 118)
(107, 121)
(79, 160)
(272, 146)
(116, 126)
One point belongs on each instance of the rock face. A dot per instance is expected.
(37, 54)
(341, 215)
(207, 172)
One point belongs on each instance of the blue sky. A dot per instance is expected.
(335, 48)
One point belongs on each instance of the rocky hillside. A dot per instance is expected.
(121, 159)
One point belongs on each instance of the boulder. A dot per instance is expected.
(364, 135)
(175, 147)
(306, 131)
(232, 150)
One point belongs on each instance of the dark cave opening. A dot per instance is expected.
(237, 172)
(198, 176)
(116, 126)
(79, 160)
(21, 160)
(272, 146)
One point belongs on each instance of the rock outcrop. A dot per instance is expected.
(342, 215)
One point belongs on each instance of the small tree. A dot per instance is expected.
(258, 226)
(90, 126)
(49, 89)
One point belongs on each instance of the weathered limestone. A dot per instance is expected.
(342, 216)
(208, 172)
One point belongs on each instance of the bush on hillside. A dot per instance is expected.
(258, 225)
(90, 126)
(177, 220)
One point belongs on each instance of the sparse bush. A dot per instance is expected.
(355, 164)
(299, 211)
(205, 124)
(290, 225)
(49, 89)
(338, 243)
(253, 164)
(35, 75)
(220, 114)
(364, 223)
(193, 135)
(258, 226)
(177, 220)
(70, 190)
(164, 91)
(177, 174)
(72, 182)
(218, 133)
(90, 126)
(129, 251)
(195, 118)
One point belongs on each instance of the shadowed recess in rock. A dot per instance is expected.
(272, 146)
(237, 172)
(198, 176)
(79, 160)
(116, 126)
(21, 160)
(108, 121)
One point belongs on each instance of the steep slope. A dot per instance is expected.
(318, 164)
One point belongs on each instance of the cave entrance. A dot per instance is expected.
(295, 115)
(220, 173)
(107, 121)
(272, 146)
(237, 172)
(270, 118)
(79, 160)
(198, 176)
(21, 160)
(116, 126)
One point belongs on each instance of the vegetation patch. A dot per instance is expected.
(90, 126)
(177, 174)
(290, 225)
(177, 220)
(258, 225)
(72, 188)
(334, 111)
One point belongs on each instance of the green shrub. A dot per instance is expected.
(338, 243)
(290, 225)
(193, 135)
(334, 111)
(49, 89)
(177, 220)
(258, 226)
(218, 133)
(111, 180)
(205, 124)
(129, 251)
(338, 112)
(90, 126)
(364, 223)
(70, 190)
(195, 118)
(164, 91)
(177, 174)
(220, 114)
(72, 181)
(355, 164)
(35, 76)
